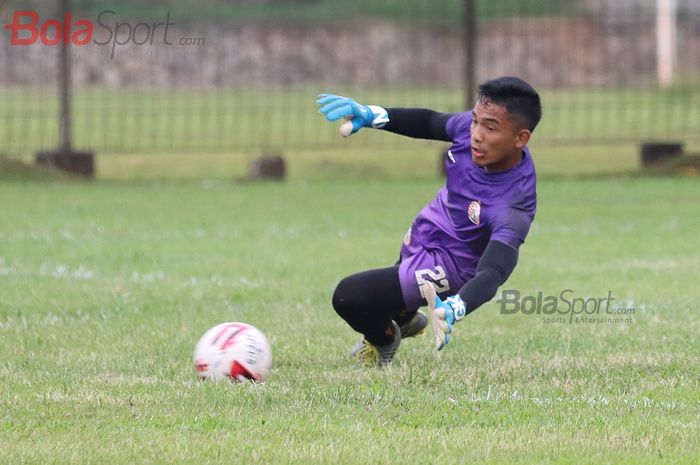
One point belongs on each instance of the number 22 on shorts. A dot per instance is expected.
(437, 277)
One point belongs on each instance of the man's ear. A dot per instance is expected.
(522, 138)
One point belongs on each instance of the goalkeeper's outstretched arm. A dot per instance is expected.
(419, 123)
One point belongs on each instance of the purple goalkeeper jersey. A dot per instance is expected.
(476, 206)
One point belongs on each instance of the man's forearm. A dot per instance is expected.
(497, 263)
(419, 123)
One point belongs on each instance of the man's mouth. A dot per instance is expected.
(478, 152)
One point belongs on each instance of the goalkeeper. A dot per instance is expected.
(464, 244)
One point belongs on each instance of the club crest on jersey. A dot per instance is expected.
(474, 212)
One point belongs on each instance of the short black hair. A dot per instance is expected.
(520, 100)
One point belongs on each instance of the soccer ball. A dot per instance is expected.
(237, 351)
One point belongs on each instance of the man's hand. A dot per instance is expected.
(443, 314)
(335, 107)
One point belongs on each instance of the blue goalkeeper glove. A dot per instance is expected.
(335, 107)
(443, 314)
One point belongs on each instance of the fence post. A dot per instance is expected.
(64, 158)
(66, 126)
(665, 41)
(469, 25)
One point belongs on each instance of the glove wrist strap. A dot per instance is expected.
(381, 117)
(458, 307)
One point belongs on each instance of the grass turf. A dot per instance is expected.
(446, 13)
(105, 287)
(168, 120)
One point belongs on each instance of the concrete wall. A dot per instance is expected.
(550, 52)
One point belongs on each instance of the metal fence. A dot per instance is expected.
(213, 75)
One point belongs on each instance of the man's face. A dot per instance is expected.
(496, 142)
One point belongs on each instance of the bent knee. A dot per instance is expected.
(342, 297)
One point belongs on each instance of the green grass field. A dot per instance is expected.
(149, 120)
(106, 286)
(447, 13)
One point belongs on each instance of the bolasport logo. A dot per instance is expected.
(29, 28)
(566, 307)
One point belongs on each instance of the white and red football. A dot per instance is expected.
(234, 350)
